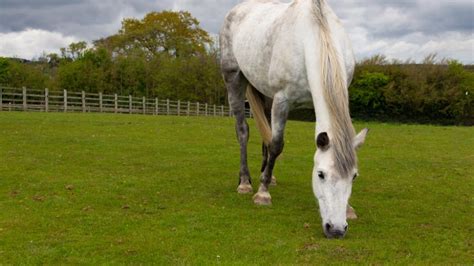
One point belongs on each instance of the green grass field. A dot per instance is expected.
(91, 188)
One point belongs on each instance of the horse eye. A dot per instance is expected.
(321, 175)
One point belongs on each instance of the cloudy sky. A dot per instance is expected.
(397, 28)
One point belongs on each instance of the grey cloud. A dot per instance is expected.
(87, 19)
(429, 17)
(368, 21)
(36, 3)
(211, 13)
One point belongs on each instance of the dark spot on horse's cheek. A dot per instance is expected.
(323, 141)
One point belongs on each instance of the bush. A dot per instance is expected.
(422, 93)
(433, 93)
(367, 94)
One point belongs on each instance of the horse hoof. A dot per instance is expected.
(274, 181)
(262, 199)
(245, 189)
(350, 213)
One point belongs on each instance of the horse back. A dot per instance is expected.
(267, 41)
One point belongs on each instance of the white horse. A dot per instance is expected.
(281, 55)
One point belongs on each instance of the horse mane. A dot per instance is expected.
(336, 96)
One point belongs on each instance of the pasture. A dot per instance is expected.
(101, 188)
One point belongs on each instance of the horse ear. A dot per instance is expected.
(323, 141)
(360, 138)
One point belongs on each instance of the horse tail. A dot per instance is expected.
(336, 96)
(257, 108)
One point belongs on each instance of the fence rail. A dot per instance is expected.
(23, 99)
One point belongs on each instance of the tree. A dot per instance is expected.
(14, 73)
(89, 72)
(74, 51)
(177, 34)
(4, 71)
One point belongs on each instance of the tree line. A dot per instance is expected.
(432, 91)
(165, 54)
(168, 55)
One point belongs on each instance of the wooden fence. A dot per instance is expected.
(23, 99)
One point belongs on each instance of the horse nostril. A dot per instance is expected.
(345, 228)
(328, 226)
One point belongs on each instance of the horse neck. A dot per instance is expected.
(323, 117)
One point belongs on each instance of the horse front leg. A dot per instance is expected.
(265, 155)
(280, 109)
(350, 213)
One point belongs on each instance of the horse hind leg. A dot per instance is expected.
(236, 85)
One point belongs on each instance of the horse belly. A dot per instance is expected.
(270, 75)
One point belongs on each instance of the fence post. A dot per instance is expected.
(130, 104)
(46, 100)
(1, 99)
(156, 106)
(206, 109)
(100, 102)
(115, 103)
(197, 109)
(222, 110)
(25, 106)
(230, 111)
(167, 106)
(215, 110)
(144, 105)
(83, 101)
(189, 108)
(179, 108)
(65, 100)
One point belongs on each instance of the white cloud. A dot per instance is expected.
(409, 29)
(415, 46)
(31, 43)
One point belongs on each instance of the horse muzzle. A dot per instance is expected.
(332, 231)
